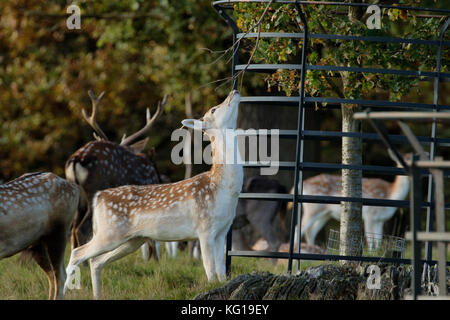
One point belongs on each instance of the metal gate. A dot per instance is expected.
(223, 8)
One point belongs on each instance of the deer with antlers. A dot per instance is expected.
(202, 207)
(316, 215)
(36, 212)
(103, 164)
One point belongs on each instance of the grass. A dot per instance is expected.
(132, 278)
(128, 278)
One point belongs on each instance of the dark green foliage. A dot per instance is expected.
(136, 51)
(334, 20)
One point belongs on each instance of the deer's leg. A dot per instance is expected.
(190, 248)
(174, 248)
(80, 228)
(97, 246)
(193, 247)
(315, 217)
(220, 256)
(312, 232)
(150, 248)
(171, 248)
(374, 232)
(157, 249)
(97, 263)
(84, 228)
(56, 245)
(208, 255)
(196, 250)
(40, 255)
(145, 249)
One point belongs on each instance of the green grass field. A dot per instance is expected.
(128, 278)
(132, 278)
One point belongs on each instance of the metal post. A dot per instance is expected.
(440, 227)
(431, 190)
(416, 201)
(298, 178)
(235, 61)
(298, 198)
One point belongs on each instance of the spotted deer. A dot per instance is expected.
(316, 215)
(36, 213)
(103, 164)
(202, 207)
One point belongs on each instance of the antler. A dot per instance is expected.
(150, 120)
(98, 134)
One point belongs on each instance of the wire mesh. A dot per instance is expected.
(372, 244)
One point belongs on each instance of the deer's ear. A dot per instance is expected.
(195, 124)
(140, 145)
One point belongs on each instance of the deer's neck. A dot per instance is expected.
(400, 188)
(227, 170)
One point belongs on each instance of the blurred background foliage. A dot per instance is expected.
(136, 51)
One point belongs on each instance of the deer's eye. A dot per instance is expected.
(213, 110)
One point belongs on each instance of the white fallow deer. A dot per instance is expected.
(316, 215)
(202, 207)
(36, 213)
(104, 164)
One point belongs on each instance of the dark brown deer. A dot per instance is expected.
(257, 219)
(36, 212)
(104, 164)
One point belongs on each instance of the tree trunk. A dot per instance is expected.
(351, 230)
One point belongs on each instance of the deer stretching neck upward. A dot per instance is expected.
(202, 207)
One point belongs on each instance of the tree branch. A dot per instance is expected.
(329, 44)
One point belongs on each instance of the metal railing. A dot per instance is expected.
(414, 167)
(302, 101)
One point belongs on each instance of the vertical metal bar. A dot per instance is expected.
(430, 199)
(416, 201)
(431, 190)
(299, 148)
(235, 61)
(235, 86)
(300, 191)
(440, 227)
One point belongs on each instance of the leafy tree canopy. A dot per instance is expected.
(135, 50)
(324, 19)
